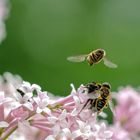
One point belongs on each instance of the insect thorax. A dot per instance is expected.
(105, 93)
(92, 87)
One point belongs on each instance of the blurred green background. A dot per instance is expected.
(42, 33)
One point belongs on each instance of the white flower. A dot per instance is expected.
(84, 131)
(58, 122)
(101, 132)
(67, 133)
(27, 87)
(42, 100)
(23, 99)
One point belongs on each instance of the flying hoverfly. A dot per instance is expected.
(103, 99)
(92, 58)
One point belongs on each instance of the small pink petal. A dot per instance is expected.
(29, 106)
(47, 110)
(38, 110)
(108, 134)
(67, 132)
(35, 86)
(76, 134)
(1, 112)
(73, 89)
(63, 115)
(51, 137)
(52, 119)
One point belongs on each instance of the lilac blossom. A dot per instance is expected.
(42, 100)
(119, 133)
(45, 117)
(9, 83)
(127, 115)
(4, 11)
(23, 100)
(127, 112)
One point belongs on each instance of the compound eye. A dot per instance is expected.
(100, 51)
(107, 85)
(95, 87)
(99, 86)
(93, 83)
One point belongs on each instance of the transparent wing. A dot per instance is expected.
(103, 115)
(94, 95)
(111, 106)
(108, 63)
(77, 58)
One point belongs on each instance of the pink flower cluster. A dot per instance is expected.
(127, 119)
(4, 10)
(27, 112)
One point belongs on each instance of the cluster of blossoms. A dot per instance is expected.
(4, 10)
(26, 112)
(126, 123)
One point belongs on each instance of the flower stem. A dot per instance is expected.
(12, 130)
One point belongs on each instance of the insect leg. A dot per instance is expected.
(89, 100)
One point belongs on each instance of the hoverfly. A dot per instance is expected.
(103, 99)
(92, 58)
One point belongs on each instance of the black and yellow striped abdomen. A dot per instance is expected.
(99, 104)
(95, 56)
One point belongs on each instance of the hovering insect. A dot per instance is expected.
(92, 58)
(103, 99)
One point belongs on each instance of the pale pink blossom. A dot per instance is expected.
(20, 113)
(42, 100)
(127, 110)
(27, 87)
(77, 125)
(119, 133)
(23, 99)
(84, 131)
(3, 101)
(4, 11)
(102, 132)
(60, 119)
(24, 132)
(59, 122)
(9, 83)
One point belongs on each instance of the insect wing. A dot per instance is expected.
(103, 115)
(93, 95)
(109, 64)
(111, 106)
(78, 58)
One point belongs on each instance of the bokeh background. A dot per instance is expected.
(42, 33)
